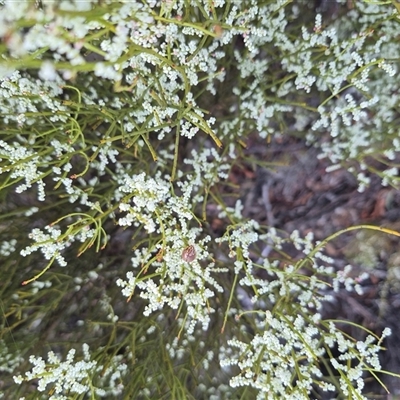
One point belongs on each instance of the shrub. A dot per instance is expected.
(123, 124)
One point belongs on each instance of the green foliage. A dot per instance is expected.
(122, 123)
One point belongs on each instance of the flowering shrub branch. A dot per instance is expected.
(122, 122)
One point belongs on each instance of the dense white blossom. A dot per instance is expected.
(89, 89)
(72, 376)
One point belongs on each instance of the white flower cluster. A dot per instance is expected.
(143, 71)
(359, 74)
(48, 244)
(28, 157)
(156, 78)
(9, 361)
(353, 72)
(76, 377)
(149, 203)
(354, 359)
(7, 247)
(350, 283)
(53, 242)
(24, 98)
(160, 77)
(309, 291)
(239, 241)
(22, 163)
(266, 362)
